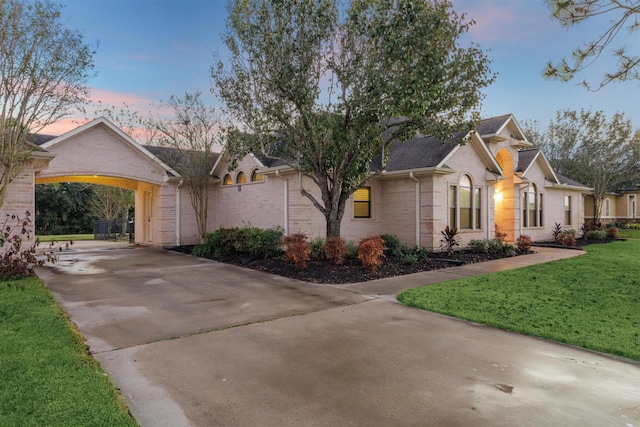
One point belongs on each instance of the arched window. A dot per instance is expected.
(256, 177)
(227, 180)
(464, 198)
(241, 178)
(607, 208)
(465, 205)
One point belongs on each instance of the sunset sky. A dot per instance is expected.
(152, 49)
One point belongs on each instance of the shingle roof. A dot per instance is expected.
(565, 180)
(420, 152)
(39, 139)
(492, 125)
(171, 156)
(525, 157)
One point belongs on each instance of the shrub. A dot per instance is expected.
(393, 245)
(568, 239)
(508, 249)
(495, 246)
(478, 246)
(263, 242)
(335, 249)
(498, 234)
(556, 231)
(371, 252)
(317, 249)
(596, 235)
(524, 243)
(633, 226)
(16, 262)
(297, 249)
(352, 250)
(612, 232)
(449, 239)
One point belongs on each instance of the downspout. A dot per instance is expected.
(178, 216)
(412, 176)
(286, 202)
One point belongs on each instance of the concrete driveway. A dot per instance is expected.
(193, 342)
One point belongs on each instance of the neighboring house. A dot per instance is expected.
(621, 207)
(494, 179)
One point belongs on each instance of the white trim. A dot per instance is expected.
(117, 131)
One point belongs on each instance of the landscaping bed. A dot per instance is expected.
(323, 271)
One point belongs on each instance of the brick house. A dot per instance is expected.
(495, 178)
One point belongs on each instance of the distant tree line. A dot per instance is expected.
(71, 208)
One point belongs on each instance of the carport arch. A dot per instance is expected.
(100, 153)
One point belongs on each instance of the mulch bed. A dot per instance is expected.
(351, 271)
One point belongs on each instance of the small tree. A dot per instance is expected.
(43, 70)
(194, 132)
(317, 83)
(624, 15)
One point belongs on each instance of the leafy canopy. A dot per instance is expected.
(324, 85)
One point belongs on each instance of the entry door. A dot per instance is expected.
(148, 215)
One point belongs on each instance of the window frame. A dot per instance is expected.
(455, 210)
(366, 202)
(567, 209)
(241, 178)
(532, 207)
(224, 180)
(254, 175)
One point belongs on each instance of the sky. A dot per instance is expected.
(149, 50)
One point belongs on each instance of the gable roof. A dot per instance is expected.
(171, 156)
(494, 126)
(527, 158)
(127, 139)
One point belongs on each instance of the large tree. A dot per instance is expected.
(325, 85)
(594, 150)
(44, 68)
(193, 134)
(622, 14)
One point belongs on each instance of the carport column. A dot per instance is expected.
(286, 202)
(178, 213)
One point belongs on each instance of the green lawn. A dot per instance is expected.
(629, 233)
(65, 237)
(592, 301)
(46, 377)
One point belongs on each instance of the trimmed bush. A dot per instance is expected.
(523, 243)
(393, 245)
(596, 235)
(568, 240)
(612, 232)
(478, 246)
(317, 249)
(336, 249)
(297, 249)
(371, 252)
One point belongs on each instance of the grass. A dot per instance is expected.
(592, 301)
(65, 237)
(46, 377)
(629, 233)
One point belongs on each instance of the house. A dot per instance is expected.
(495, 179)
(620, 207)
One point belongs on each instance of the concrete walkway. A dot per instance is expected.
(193, 342)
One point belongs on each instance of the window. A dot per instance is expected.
(227, 180)
(477, 205)
(567, 210)
(255, 176)
(453, 203)
(607, 208)
(632, 206)
(531, 207)
(464, 198)
(465, 205)
(241, 178)
(362, 203)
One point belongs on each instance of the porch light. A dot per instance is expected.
(497, 196)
